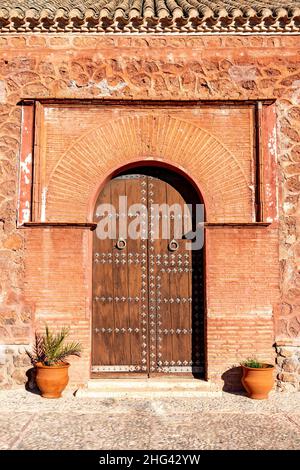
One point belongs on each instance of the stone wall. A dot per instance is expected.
(14, 364)
(161, 68)
(288, 367)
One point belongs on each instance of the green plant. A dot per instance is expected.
(254, 363)
(50, 348)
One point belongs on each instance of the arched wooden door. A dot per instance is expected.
(148, 291)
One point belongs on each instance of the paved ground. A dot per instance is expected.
(28, 421)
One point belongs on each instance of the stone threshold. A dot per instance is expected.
(148, 388)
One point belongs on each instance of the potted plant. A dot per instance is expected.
(257, 378)
(48, 356)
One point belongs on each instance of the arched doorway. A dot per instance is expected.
(148, 289)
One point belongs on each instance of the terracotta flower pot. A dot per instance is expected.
(258, 382)
(52, 380)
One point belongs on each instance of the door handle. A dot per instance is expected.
(173, 245)
(121, 244)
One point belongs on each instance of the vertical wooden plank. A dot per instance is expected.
(137, 285)
(103, 293)
(118, 288)
(173, 300)
(120, 280)
(177, 315)
(159, 305)
(181, 354)
(26, 165)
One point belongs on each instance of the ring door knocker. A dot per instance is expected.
(121, 244)
(173, 245)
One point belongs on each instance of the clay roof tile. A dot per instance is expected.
(151, 16)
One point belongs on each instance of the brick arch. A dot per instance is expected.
(179, 143)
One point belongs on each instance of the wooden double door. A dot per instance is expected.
(148, 284)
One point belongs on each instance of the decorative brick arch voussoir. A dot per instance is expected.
(179, 143)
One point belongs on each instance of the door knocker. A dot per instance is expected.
(121, 244)
(173, 245)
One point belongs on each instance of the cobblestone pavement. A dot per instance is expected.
(228, 422)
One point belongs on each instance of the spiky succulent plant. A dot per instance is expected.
(51, 349)
(254, 363)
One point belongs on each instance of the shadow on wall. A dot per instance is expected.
(232, 381)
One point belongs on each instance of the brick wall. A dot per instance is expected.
(160, 68)
(242, 295)
(56, 283)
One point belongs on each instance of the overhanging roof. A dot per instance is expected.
(150, 16)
